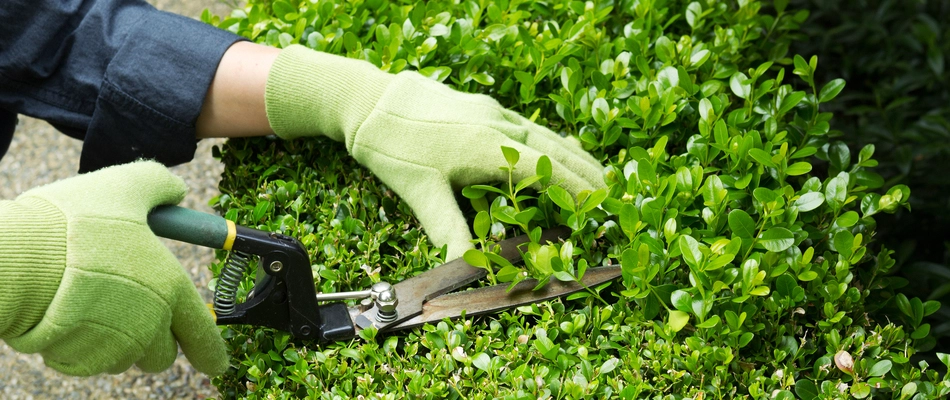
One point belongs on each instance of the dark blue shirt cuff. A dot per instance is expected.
(153, 90)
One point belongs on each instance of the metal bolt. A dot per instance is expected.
(276, 266)
(386, 303)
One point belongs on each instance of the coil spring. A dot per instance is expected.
(232, 274)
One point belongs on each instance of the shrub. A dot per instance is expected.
(744, 230)
(894, 56)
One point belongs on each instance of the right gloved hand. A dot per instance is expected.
(420, 137)
(85, 282)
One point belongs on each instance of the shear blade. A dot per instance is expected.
(496, 298)
(414, 292)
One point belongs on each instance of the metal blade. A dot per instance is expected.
(413, 292)
(495, 298)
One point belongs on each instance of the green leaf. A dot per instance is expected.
(526, 215)
(847, 219)
(931, 307)
(762, 157)
(783, 395)
(809, 201)
(261, 210)
(699, 58)
(790, 101)
(944, 358)
(903, 304)
(511, 155)
(505, 214)
(483, 78)
(710, 323)
(609, 365)
(682, 300)
(544, 169)
(806, 151)
(808, 276)
(482, 361)
(285, 39)
(806, 389)
(600, 109)
(668, 77)
(437, 74)
(839, 155)
(739, 83)
(350, 41)
(690, 249)
(880, 368)
(282, 8)
(593, 200)
(474, 189)
(831, 90)
(561, 197)
(482, 224)
(652, 212)
(860, 390)
(678, 320)
(741, 224)
(694, 12)
(785, 285)
(665, 50)
(765, 195)
(799, 168)
(427, 46)
(801, 67)
(909, 389)
(713, 191)
(843, 241)
(777, 239)
(508, 273)
(684, 180)
(837, 191)
(528, 181)
(475, 258)
(629, 218)
(546, 347)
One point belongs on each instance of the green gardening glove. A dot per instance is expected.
(420, 137)
(85, 283)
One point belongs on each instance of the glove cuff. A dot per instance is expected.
(32, 260)
(310, 92)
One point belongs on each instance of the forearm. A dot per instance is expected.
(234, 105)
(32, 258)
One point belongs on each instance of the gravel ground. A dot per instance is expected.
(40, 155)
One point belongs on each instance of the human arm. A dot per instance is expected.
(127, 79)
(423, 139)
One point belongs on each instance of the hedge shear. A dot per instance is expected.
(285, 298)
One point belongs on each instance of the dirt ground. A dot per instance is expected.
(38, 155)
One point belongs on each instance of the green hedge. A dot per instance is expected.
(744, 229)
(895, 56)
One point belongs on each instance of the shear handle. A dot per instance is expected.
(285, 299)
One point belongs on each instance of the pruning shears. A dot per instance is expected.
(285, 298)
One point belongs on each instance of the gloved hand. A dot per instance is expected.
(85, 283)
(418, 136)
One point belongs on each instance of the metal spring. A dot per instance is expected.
(232, 274)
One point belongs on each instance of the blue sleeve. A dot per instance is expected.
(8, 123)
(124, 77)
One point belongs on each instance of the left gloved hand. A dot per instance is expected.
(420, 137)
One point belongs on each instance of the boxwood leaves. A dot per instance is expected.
(741, 224)
(777, 239)
(743, 229)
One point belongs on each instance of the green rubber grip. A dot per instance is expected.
(190, 226)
